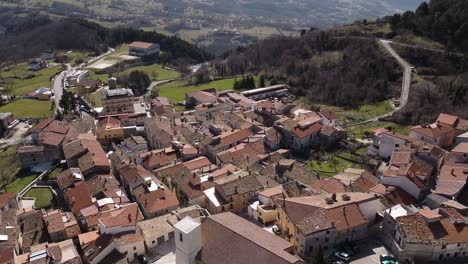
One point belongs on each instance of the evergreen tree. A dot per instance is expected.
(261, 82)
(138, 81)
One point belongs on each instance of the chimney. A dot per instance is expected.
(334, 197)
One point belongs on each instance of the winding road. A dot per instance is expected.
(405, 85)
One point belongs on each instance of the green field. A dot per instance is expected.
(21, 183)
(95, 98)
(334, 165)
(176, 91)
(360, 131)
(53, 174)
(43, 197)
(363, 113)
(23, 81)
(10, 165)
(154, 71)
(28, 108)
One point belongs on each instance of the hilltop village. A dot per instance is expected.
(227, 179)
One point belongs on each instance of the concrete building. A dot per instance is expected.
(279, 90)
(143, 49)
(311, 222)
(118, 101)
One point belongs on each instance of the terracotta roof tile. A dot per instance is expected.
(446, 119)
(140, 45)
(79, 197)
(127, 215)
(229, 239)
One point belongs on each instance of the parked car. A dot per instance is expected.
(387, 257)
(276, 230)
(143, 259)
(342, 255)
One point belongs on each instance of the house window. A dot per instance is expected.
(230, 199)
(231, 206)
(459, 244)
(444, 246)
(448, 254)
(456, 254)
(134, 248)
(397, 145)
(327, 239)
(328, 232)
(153, 242)
(180, 238)
(311, 248)
(317, 239)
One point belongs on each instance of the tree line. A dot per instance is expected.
(442, 20)
(29, 36)
(325, 69)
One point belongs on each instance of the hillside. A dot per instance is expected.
(326, 69)
(27, 36)
(218, 25)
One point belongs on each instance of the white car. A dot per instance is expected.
(342, 255)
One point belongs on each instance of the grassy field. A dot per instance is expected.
(364, 112)
(21, 183)
(10, 165)
(28, 108)
(53, 174)
(43, 197)
(336, 164)
(360, 131)
(175, 91)
(155, 72)
(23, 81)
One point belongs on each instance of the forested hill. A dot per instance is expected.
(326, 69)
(445, 21)
(26, 37)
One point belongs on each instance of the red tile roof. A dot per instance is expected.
(329, 185)
(156, 159)
(52, 139)
(446, 119)
(462, 148)
(197, 163)
(4, 198)
(329, 115)
(229, 138)
(140, 45)
(127, 215)
(41, 125)
(155, 201)
(79, 197)
(310, 130)
(433, 131)
(229, 239)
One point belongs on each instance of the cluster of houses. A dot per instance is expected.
(206, 180)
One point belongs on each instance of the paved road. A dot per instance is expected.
(57, 87)
(161, 82)
(370, 251)
(405, 85)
